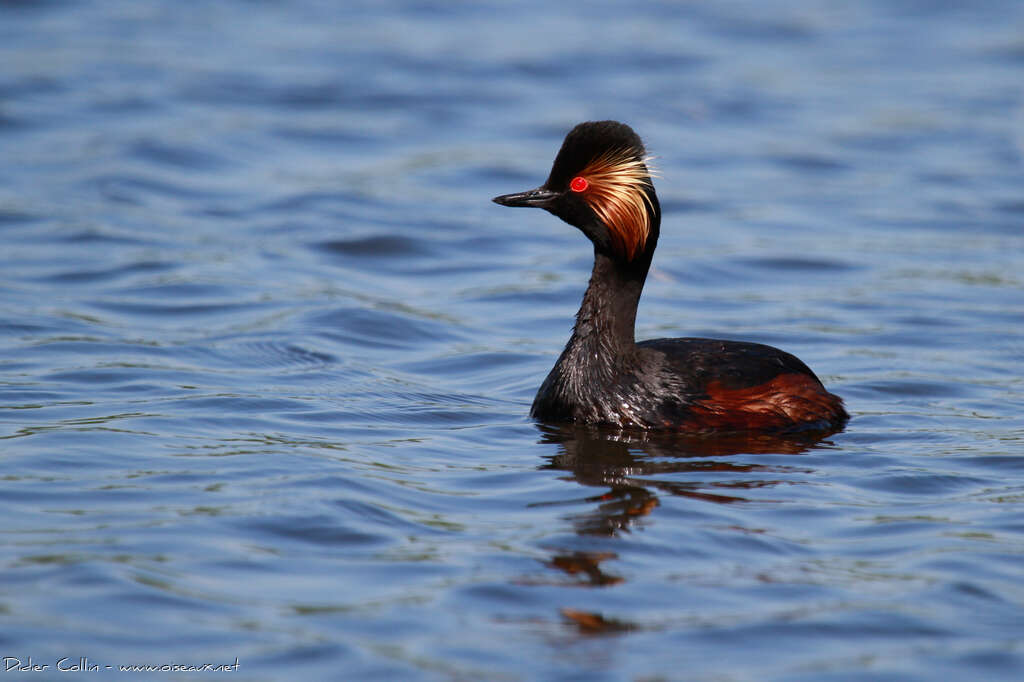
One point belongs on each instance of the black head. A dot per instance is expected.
(600, 183)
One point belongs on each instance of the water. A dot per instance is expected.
(268, 349)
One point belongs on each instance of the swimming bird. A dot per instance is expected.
(600, 184)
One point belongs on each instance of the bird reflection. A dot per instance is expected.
(629, 464)
(632, 468)
(588, 566)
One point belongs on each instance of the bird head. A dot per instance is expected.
(600, 184)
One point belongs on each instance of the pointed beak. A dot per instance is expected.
(539, 197)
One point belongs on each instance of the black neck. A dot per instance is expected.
(602, 351)
(604, 329)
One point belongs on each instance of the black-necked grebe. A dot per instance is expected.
(600, 184)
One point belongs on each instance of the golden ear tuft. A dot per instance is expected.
(617, 193)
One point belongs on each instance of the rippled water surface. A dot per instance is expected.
(268, 349)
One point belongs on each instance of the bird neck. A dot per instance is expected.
(601, 354)
(605, 323)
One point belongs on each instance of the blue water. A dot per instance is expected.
(268, 349)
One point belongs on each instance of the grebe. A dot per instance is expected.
(600, 184)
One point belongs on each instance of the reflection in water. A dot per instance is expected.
(590, 623)
(630, 466)
(587, 565)
(628, 463)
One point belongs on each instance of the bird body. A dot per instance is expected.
(600, 184)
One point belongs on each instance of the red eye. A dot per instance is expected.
(579, 184)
